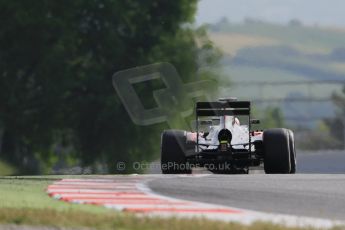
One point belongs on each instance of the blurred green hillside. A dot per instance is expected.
(258, 53)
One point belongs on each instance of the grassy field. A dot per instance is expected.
(23, 201)
(312, 44)
(230, 43)
(307, 39)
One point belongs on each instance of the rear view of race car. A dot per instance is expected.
(223, 142)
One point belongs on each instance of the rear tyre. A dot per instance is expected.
(173, 159)
(293, 159)
(276, 151)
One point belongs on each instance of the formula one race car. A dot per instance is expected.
(224, 143)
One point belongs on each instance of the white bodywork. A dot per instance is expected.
(240, 134)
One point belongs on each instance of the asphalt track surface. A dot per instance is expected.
(317, 190)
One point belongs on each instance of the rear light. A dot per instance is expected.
(223, 146)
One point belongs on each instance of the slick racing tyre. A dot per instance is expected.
(173, 159)
(276, 151)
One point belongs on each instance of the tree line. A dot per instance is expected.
(56, 63)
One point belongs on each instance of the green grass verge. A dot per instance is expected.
(23, 201)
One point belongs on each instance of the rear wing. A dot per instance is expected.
(222, 108)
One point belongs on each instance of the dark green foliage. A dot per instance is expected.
(56, 63)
